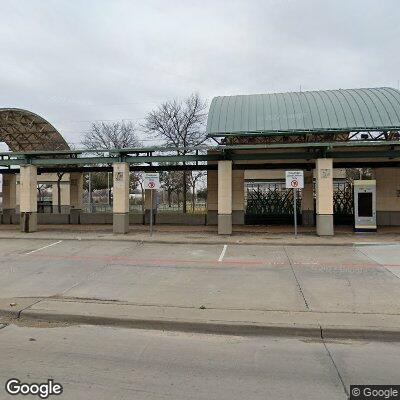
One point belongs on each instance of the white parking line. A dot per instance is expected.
(221, 257)
(44, 247)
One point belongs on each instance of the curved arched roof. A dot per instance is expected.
(23, 130)
(343, 110)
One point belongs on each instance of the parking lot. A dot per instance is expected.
(361, 279)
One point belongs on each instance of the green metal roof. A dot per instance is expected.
(343, 110)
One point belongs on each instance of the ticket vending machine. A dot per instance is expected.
(365, 206)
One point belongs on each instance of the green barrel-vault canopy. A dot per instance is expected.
(343, 110)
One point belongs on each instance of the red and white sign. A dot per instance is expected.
(294, 180)
(151, 180)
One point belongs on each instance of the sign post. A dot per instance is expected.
(295, 180)
(151, 182)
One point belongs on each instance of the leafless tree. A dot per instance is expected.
(171, 182)
(180, 123)
(59, 178)
(42, 190)
(358, 173)
(194, 178)
(111, 135)
(137, 180)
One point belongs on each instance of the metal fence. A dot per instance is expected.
(199, 208)
(270, 203)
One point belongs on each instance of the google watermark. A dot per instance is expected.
(374, 392)
(43, 390)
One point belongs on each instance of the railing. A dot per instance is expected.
(199, 208)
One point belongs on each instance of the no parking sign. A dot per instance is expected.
(151, 180)
(294, 180)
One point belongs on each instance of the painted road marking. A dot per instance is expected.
(44, 247)
(222, 255)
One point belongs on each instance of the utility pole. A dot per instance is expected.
(90, 192)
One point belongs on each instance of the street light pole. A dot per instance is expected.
(108, 187)
(90, 192)
(295, 211)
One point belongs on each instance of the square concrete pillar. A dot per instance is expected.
(28, 198)
(9, 198)
(121, 197)
(65, 197)
(307, 200)
(148, 205)
(76, 196)
(387, 196)
(212, 198)
(224, 197)
(238, 197)
(324, 196)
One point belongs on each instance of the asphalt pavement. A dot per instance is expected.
(113, 363)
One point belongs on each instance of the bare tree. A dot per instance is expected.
(107, 136)
(358, 173)
(170, 182)
(42, 190)
(194, 178)
(111, 135)
(181, 124)
(137, 179)
(59, 178)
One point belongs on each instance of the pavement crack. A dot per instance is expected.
(335, 366)
(28, 306)
(297, 280)
(378, 263)
(87, 278)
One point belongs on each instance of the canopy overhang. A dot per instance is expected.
(24, 130)
(302, 113)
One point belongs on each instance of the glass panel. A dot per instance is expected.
(365, 204)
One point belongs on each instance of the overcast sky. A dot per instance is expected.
(76, 61)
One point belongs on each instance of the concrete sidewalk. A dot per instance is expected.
(175, 234)
(319, 325)
(325, 291)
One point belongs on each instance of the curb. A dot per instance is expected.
(374, 334)
(14, 314)
(206, 242)
(236, 329)
(218, 328)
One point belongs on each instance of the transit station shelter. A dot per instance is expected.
(255, 139)
(320, 132)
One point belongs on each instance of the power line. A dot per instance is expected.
(97, 120)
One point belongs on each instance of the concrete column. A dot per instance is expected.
(212, 197)
(76, 196)
(324, 196)
(224, 197)
(121, 197)
(65, 197)
(9, 197)
(307, 202)
(148, 205)
(238, 197)
(387, 196)
(28, 198)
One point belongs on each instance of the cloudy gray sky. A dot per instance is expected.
(77, 61)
